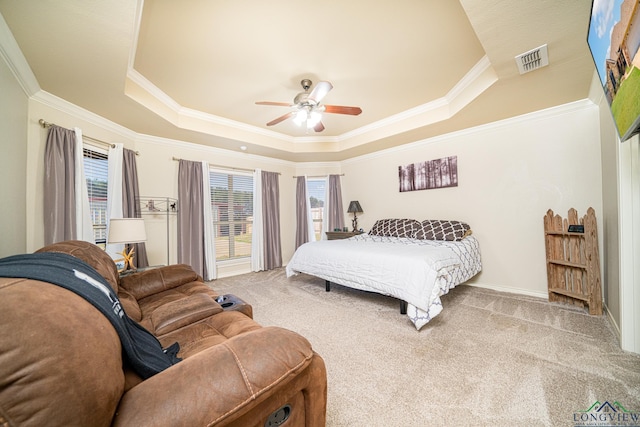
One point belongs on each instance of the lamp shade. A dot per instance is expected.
(354, 207)
(127, 230)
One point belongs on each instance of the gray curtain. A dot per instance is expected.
(59, 186)
(130, 198)
(191, 217)
(302, 216)
(271, 220)
(335, 214)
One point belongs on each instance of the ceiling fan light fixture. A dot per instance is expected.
(300, 117)
(313, 119)
(306, 107)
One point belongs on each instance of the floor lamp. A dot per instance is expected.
(127, 230)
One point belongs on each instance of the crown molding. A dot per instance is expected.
(318, 164)
(178, 144)
(71, 109)
(136, 34)
(481, 74)
(464, 86)
(15, 60)
(157, 100)
(568, 108)
(60, 104)
(479, 78)
(67, 107)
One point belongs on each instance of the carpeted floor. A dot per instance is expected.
(489, 359)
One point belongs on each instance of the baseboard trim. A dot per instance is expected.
(613, 322)
(543, 295)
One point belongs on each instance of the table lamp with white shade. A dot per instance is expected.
(127, 230)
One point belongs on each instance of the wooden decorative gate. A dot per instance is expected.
(573, 264)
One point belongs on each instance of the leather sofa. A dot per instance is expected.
(61, 361)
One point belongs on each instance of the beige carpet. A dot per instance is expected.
(489, 359)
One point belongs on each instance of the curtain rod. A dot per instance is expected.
(319, 176)
(177, 159)
(45, 124)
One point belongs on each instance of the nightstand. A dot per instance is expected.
(336, 235)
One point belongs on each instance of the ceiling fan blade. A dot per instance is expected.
(277, 104)
(319, 127)
(341, 109)
(320, 91)
(281, 118)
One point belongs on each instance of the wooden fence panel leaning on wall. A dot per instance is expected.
(573, 264)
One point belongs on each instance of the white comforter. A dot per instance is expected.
(415, 271)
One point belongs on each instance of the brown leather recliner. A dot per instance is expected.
(61, 360)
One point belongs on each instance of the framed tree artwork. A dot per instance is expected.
(438, 173)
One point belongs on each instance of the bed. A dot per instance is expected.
(415, 262)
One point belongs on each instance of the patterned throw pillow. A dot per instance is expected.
(392, 227)
(435, 229)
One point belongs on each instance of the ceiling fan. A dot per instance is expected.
(306, 106)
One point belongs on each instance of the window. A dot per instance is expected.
(95, 171)
(232, 210)
(316, 191)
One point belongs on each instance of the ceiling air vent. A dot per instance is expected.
(533, 59)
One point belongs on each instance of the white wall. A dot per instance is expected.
(629, 237)
(158, 176)
(55, 110)
(510, 173)
(13, 134)
(610, 255)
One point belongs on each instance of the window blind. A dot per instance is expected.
(96, 173)
(232, 209)
(316, 189)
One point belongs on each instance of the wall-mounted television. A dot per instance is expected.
(614, 41)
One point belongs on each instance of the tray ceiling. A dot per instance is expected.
(193, 70)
